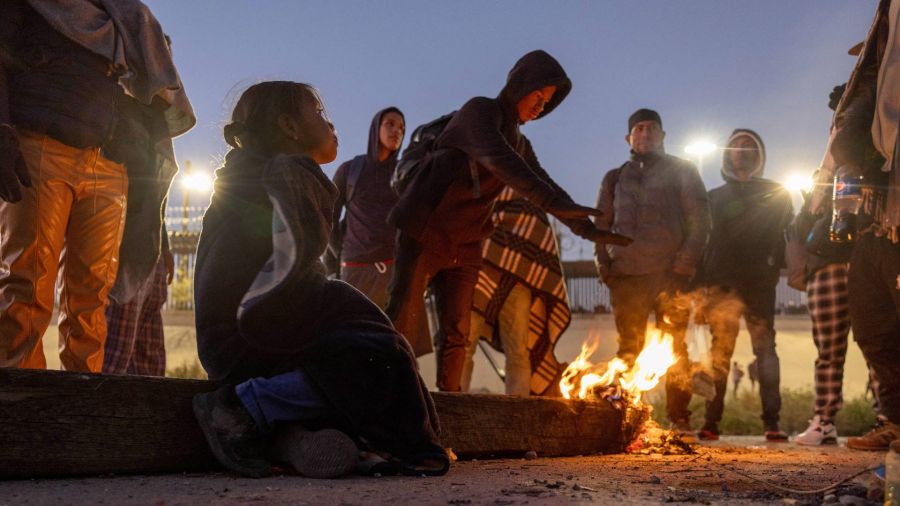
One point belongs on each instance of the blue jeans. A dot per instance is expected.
(288, 397)
(724, 313)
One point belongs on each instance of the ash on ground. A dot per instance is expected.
(653, 439)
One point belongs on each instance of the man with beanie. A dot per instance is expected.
(659, 201)
(361, 249)
(740, 271)
(444, 213)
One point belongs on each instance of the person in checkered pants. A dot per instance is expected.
(135, 341)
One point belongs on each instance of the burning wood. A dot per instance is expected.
(623, 386)
(617, 380)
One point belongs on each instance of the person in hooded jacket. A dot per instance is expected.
(741, 269)
(444, 213)
(362, 245)
(308, 364)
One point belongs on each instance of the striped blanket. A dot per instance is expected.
(523, 249)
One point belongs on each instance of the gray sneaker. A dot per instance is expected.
(326, 453)
(231, 433)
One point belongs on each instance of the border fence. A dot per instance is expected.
(588, 296)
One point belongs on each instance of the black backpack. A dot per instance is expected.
(421, 143)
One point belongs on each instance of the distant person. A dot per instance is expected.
(737, 374)
(444, 213)
(661, 202)
(827, 267)
(89, 102)
(864, 142)
(753, 374)
(520, 306)
(135, 341)
(740, 272)
(363, 243)
(309, 365)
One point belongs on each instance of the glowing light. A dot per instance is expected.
(700, 148)
(196, 182)
(797, 182)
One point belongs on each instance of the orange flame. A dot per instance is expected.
(649, 368)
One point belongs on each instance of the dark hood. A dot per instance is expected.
(728, 170)
(374, 141)
(533, 71)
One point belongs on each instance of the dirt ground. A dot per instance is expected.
(621, 479)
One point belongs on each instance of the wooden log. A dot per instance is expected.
(56, 423)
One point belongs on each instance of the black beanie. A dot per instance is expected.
(643, 115)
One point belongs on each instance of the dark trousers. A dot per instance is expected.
(874, 285)
(633, 298)
(370, 279)
(723, 312)
(453, 283)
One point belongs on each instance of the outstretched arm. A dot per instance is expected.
(605, 196)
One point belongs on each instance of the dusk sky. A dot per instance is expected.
(706, 66)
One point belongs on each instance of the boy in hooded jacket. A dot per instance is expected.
(309, 365)
(444, 213)
(362, 245)
(741, 269)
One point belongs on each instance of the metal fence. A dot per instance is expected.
(588, 295)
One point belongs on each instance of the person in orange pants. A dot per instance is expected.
(79, 112)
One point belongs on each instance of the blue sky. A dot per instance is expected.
(706, 66)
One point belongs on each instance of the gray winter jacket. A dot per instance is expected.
(660, 201)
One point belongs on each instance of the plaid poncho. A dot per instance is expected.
(523, 249)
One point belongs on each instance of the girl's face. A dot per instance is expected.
(311, 130)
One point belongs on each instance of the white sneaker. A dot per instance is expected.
(817, 433)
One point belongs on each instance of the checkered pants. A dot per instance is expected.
(135, 343)
(830, 312)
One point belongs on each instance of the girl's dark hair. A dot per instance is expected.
(254, 122)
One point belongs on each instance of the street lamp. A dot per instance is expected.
(700, 149)
(191, 181)
(798, 182)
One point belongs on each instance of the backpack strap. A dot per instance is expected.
(356, 167)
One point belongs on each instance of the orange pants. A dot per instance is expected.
(70, 221)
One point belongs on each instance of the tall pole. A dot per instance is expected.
(185, 199)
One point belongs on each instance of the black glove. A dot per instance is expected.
(13, 171)
(565, 209)
(586, 229)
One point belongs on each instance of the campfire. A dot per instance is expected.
(623, 385)
(615, 381)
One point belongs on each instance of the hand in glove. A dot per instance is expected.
(586, 229)
(568, 210)
(13, 171)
